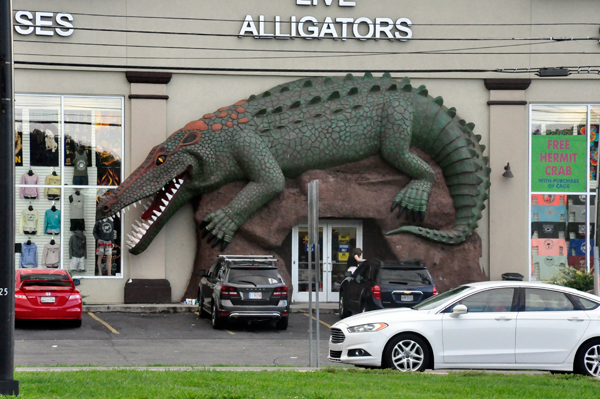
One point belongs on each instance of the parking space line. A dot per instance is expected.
(320, 321)
(232, 333)
(105, 324)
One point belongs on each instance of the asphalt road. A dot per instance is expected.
(138, 339)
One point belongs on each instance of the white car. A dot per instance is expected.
(488, 325)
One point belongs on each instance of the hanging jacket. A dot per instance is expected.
(52, 220)
(51, 255)
(31, 222)
(29, 255)
(52, 180)
(77, 245)
(31, 180)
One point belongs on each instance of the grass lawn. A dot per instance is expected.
(327, 383)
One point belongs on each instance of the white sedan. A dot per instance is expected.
(488, 325)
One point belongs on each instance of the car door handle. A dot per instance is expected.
(503, 318)
(575, 319)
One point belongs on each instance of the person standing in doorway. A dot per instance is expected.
(354, 259)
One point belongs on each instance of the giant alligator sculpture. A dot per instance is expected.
(313, 123)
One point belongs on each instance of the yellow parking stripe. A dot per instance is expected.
(103, 323)
(320, 321)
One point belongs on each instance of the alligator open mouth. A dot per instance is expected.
(158, 210)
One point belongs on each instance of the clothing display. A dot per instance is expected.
(104, 230)
(548, 199)
(51, 144)
(576, 200)
(548, 213)
(577, 213)
(52, 221)
(577, 247)
(29, 178)
(550, 246)
(77, 264)
(104, 248)
(51, 255)
(548, 266)
(548, 229)
(30, 222)
(52, 193)
(577, 230)
(78, 245)
(29, 255)
(77, 203)
(578, 262)
(80, 174)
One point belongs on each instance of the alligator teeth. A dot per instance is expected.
(165, 201)
(174, 181)
(146, 206)
(130, 237)
(180, 181)
(162, 208)
(177, 185)
(126, 208)
(138, 222)
(155, 218)
(149, 203)
(134, 205)
(150, 222)
(174, 191)
(157, 213)
(135, 227)
(163, 189)
(111, 219)
(144, 225)
(169, 196)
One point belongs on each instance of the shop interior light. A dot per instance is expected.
(508, 172)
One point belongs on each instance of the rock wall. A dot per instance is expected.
(363, 190)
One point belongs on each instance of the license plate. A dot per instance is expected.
(406, 298)
(48, 299)
(255, 295)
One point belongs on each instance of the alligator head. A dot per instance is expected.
(168, 178)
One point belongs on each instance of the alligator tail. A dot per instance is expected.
(451, 143)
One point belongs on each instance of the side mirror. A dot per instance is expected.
(458, 310)
(76, 282)
(348, 274)
(201, 273)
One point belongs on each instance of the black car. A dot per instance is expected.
(377, 284)
(243, 287)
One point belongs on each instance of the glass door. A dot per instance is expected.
(337, 239)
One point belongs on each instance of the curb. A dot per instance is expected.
(326, 308)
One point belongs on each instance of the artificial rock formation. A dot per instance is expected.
(359, 190)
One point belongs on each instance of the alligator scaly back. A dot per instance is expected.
(451, 143)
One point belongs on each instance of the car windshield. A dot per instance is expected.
(255, 276)
(437, 300)
(405, 277)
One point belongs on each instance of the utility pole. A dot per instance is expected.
(8, 386)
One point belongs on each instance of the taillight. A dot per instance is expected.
(434, 291)
(75, 296)
(376, 292)
(229, 292)
(281, 291)
(20, 296)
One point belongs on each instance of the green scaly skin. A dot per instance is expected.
(314, 123)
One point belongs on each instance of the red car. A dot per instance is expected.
(43, 294)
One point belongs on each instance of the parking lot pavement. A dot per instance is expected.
(130, 339)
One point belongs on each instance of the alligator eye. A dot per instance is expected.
(160, 160)
(190, 138)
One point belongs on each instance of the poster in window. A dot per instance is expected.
(43, 144)
(593, 137)
(18, 148)
(108, 148)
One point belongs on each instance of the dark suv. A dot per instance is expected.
(243, 287)
(377, 284)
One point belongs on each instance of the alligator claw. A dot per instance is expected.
(422, 216)
(205, 233)
(224, 245)
(409, 214)
(214, 244)
(416, 215)
(400, 212)
(210, 238)
(394, 206)
(204, 224)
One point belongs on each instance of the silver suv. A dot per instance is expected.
(243, 287)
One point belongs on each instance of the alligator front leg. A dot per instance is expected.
(265, 182)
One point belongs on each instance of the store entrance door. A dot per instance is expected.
(337, 238)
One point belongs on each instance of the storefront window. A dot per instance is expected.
(68, 154)
(564, 157)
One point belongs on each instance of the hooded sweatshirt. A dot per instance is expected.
(51, 255)
(31, 222)
(77, 245)
(29, 255)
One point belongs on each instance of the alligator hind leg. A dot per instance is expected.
(395, 145)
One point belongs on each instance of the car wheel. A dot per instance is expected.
(406, 352)
(217, 322)
(587, 361)
(201, 312)
(282, 324)
(76, 323)
(343, 311)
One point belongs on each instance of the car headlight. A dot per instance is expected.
(367, 327)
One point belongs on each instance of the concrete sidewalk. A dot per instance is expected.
(324, 308)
